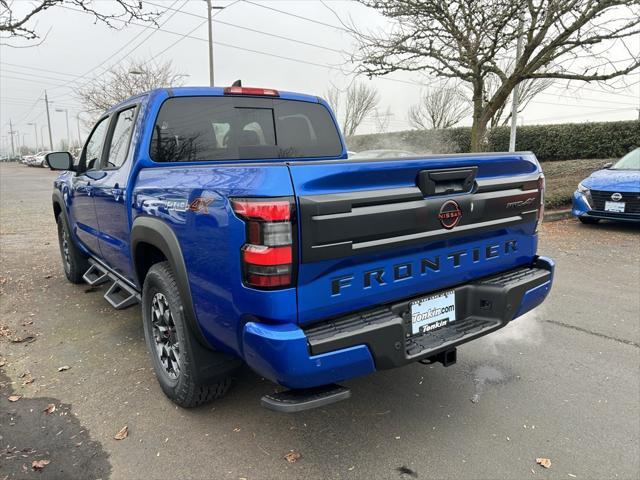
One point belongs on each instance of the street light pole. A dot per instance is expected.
(78, 125)
(35, 131)
(68, 136)
(210, 29)
(516, 90)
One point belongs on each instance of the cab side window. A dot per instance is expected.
(93, 150)
(121, 136)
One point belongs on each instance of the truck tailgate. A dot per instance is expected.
(376, 231)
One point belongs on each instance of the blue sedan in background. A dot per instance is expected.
(612, 193)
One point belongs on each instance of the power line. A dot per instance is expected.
(153, 32)
(259, 52)
(581, 114)
(30, 80)
(281, 37)
(296, 16)
(39, 69)
(119, 50)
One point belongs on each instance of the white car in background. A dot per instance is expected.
(39, 159)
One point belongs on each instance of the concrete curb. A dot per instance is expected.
(555, 215)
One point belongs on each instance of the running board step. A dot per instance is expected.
(121, 296)
(96, 275)
(290, 401)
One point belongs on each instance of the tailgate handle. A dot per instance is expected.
(447, 181)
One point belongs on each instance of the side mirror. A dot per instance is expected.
(607, 165)
(59, 160)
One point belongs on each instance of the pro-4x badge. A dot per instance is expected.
(450, 214)
(200, 205)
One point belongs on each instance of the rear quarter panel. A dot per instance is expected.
(211, 237)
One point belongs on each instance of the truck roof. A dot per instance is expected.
(210, 92)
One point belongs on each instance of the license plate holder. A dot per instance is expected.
(615, 207)
(432, 312)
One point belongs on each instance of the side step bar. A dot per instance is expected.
(119, 295)
(291, 401)
(96, 275)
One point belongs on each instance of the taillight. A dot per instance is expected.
(268, 254)
(541, 187)
(262, 92)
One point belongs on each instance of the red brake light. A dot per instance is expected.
(268, 92)
(269, 211)
(267, 256)
(261, 255)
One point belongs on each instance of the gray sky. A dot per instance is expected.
(77, 49)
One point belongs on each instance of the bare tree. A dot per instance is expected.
(527, 91)
(16, 21)
(357, 102)
(466, 39)
(439, 108)
(124, 81)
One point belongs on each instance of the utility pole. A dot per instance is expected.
(514, 100)
(210, 28)
(11, 132)
(46, 101)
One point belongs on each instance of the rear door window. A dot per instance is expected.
(192, 129)
(120, 138)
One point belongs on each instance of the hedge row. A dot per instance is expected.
(549, 142)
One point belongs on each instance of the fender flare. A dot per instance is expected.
(58, 199)
(156, 232)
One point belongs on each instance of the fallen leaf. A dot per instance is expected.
(292, 457)
(545, 462)
(22, 375)
(237, 429)
(64, 368)
(28, 339)
(14, 398)
(39, 464)
(28, 380)
(50, 409)
(2, 363)
(122, 434)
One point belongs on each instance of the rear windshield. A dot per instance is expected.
(193, 129)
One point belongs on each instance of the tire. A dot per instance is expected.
(589, 220)
(74, 263)
(171, 344)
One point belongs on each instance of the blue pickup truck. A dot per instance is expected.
(235, 218)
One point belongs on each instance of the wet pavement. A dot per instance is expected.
(561, 383)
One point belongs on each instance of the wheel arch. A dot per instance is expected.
(58, 205)
(154, 240)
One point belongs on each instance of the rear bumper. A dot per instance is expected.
(358, 344)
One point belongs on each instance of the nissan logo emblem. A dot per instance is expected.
(616, 197)
(450, 214)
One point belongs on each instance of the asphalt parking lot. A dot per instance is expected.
(562, 383)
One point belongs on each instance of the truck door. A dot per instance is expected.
(110, 193)
(81, 204)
